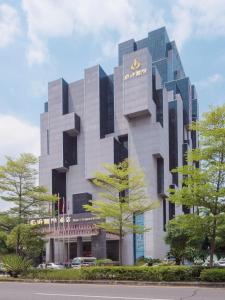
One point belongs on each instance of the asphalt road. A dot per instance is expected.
(54, 291)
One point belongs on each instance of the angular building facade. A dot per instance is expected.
(142, 112)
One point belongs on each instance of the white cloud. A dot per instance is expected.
(56, 18)
(17, 136)
(201, 19)
(211, 80)
(9, 24)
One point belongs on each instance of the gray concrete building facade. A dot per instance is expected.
(142, 112)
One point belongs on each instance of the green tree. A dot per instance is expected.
(3, 245)
(7, 222)
(186, 238)
(204, 186)
(123, 195)
(18, 178)
(31, 240)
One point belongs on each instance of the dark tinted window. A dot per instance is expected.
(79, 200)
(160, 175)
(164, 214)
(65, 100)
(173, 140)
(120, 149)
(106, 104)
(69, 150)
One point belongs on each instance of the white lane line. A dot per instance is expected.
(102, 297)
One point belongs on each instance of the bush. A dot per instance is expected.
(104, 262)
(120, 273)
(213, 275)
(157, 273)
(67, 274)
(16, 265)
(147, 260)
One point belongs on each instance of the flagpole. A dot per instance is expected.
(63, 208)
(58, 229)
(68, 235)
(49, 233)
(54, 230)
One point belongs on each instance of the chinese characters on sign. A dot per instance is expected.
(136, 71)
(68, 226)
(66, 219)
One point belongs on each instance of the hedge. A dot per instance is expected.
(67, 274)
(156, 273)
(213, 275)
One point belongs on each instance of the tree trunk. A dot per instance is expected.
(213, 243)
(19, 222)
(120, 250)
(18, 242)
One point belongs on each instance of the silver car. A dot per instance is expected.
(54, 266)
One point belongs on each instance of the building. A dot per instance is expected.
(141, 111)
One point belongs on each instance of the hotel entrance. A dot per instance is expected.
(76, 236)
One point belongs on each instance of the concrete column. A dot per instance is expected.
(79, 246)
(98, 245)
(50, 251)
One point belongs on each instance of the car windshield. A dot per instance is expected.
(76, 261)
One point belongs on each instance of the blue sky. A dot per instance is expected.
(42, 40)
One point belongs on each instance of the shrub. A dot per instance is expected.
(15, 265)
(104, 262)
(147, 260)
(156, 273)
(179, 273)
(67, 274)
(213, 275)
(120, 273)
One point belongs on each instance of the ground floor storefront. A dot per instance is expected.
(73, 236)
(64, 250)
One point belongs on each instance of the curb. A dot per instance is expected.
(116, 282)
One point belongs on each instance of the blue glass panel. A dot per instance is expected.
(139, 238)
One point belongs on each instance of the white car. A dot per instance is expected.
(221, 262)
(41, 266)
(79, 262)
(54, 266)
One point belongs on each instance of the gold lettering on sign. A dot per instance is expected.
(135, 67)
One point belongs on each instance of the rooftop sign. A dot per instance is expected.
(135, 67)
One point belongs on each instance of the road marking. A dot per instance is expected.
(98, 297)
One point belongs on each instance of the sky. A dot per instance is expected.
(42, 40)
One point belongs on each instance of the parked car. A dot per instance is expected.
(54, 266)
(221, 262)
(79, 262)
(41, 266)
(207, 264)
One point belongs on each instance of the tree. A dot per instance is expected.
(204, 186)
(123, 196)
(18, 179)
(3, 245)
(7, 222)
(186, 238)
(31, 241)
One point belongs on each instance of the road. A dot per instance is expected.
(59, 291)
